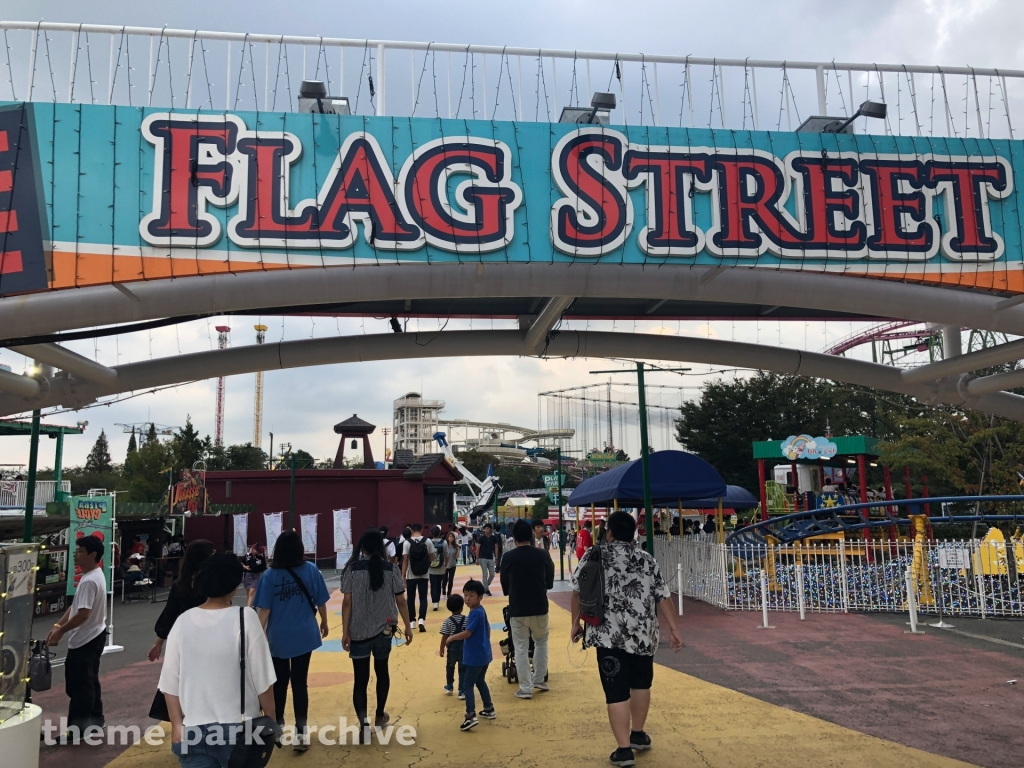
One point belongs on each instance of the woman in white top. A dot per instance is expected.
(200, 676)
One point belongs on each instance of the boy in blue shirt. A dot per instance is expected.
(476, 654)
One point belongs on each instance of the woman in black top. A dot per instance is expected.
(253, 564)
(183, 595)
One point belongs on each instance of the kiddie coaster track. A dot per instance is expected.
(787, 529)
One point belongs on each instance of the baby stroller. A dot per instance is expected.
(508, 650)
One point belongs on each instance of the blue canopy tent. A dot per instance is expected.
(675, 476)
(734, 498)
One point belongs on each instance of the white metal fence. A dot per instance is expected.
(958, 578)
(12, 492)
(150, 67)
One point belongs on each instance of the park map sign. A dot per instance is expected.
(94, 194)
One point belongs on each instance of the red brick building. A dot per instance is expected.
(421, 493)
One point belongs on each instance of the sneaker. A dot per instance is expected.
(435, 606)
(541, 687)
(448, 690)
(423, 626)
(489, 713)
(462, 696)
(468, 723)
(301, 742)
(487, 592)
(381, 720)
(521, 694)
(639, 740)
(622, 756)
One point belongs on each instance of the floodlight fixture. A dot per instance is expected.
(313, 98)
(601, 106)
(816, 124)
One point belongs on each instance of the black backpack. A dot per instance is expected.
(419, 558)
(591, 583)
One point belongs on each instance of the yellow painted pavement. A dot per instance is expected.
(692, 722)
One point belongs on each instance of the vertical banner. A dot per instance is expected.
(91, 516)
(240, 541)
(343, 535)
(307, 528)
(273, 524)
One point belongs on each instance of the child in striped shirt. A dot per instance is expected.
(451, 626)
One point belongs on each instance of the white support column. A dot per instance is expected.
(227, 83)
(32, 64)
(74, 64)
(819, 77)
(952, 342)
(657, 97)
(380, 81)
(110, 72)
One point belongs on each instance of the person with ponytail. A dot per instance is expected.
(374, 598)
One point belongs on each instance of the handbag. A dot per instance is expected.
(252, 754)
(40, 671)
(158, 709)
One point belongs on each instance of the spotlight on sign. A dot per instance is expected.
(876, 109)
(313, 98)
(600, 107)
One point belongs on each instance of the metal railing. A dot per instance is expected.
(977, 577)
(12, 492)
(151, 67)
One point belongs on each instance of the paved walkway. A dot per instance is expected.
(692, 723)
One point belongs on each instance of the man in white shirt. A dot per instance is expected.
(417, 553)
(84, 624)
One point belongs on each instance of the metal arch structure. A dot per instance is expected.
(788, 529)
(958, 389)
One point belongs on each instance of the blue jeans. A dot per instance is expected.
(474, 676)
(487, 572)
(203, 755)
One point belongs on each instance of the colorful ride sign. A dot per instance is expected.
(92, 516)
(808, 448)
(93, 194)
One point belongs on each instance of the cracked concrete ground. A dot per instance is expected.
(692, 722)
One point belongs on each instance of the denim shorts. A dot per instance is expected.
(379, 647)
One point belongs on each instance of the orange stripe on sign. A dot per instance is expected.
(10, 262)
(6, 181)
(8, 221)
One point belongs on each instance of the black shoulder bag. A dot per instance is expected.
(257, 752)
(302, 586)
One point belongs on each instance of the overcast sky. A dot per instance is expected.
(302, 406)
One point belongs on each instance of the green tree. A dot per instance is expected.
(98, 459)
(186, 447)
(145, 471)
(246, 456)
(303, 459)
(133, 446)
(730, 415)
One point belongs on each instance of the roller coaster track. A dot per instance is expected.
(849, 518)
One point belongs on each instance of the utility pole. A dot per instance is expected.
(30, 490)
(222, 343)
(648, 511)
(291, 498)
(257, 422)
(561, 521)
(386, 431)
(644, 448)
(611, 439)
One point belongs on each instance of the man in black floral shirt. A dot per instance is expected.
(635, 595)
